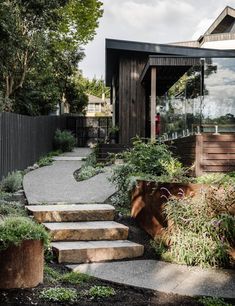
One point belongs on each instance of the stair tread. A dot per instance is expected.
(70, 207)
(78, 245)
(84, 225)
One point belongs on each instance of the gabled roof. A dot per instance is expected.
(223, 22)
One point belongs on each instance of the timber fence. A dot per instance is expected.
(24, 139)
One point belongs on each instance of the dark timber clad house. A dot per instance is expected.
(192, 87)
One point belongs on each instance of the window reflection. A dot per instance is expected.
(202, 98)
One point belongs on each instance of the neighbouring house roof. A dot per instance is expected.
(223, 23)
(96, 100)
(223, 28)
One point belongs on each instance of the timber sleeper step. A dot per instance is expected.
(95, 251)
(72, 212)
(84, 231)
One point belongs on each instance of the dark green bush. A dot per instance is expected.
(13, 230)
(64, 141)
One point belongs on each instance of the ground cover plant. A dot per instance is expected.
(48, 158)
(89, 169)
(59, 294)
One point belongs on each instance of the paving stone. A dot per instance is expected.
(74, 212)
(95, 251)
(165, 277)
(99, 230)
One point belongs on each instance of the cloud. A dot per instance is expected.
(156, 21)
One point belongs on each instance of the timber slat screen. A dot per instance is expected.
(207, 152)
(23, 139)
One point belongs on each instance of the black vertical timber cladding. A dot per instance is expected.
(131, 98)
(23, 139)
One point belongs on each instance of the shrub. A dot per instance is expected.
(198, 234)
(59, 295)
(101, 291)
(13, 230)
(11, 209)
(148, 157)
(12, 182)
(145, 161)
(64, 141)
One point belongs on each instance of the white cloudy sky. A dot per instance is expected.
(156, 21)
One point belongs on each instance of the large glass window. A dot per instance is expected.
(202, 99)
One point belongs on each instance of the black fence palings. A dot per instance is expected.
(23, 139)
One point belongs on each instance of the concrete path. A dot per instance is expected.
(164, 277)
(56, 184)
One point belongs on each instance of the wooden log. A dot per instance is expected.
(22, 266)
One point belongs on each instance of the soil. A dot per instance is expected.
(125, 295)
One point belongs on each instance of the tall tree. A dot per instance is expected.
(41, 38)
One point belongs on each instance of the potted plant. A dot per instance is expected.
(22, 244)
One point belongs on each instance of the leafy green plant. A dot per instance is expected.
(74, 278)
(64, 141)
(213, 301)
(216, 179)
(145, 161)
(51, 275)
(13, 230)
(101, 291)
(147, 157)
(45, 161)
(59, 294)
(12, 182)
(11, 209)
(4, 196)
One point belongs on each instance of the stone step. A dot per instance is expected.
(95, 251)
(84, 231)
(72, 212)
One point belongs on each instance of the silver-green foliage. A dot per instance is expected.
(101, 291)
(12, 182)
(59, 294)
(87, 172)
(11, 209)
(13, 230)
